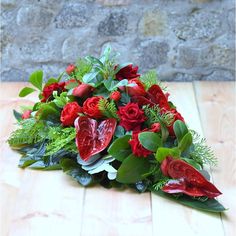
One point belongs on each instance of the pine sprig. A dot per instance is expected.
(202, 153)
(160, 184)
(108, 109)
(154, 115)
(61, 138)
(31, 131)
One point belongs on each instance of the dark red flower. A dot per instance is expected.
(90, 107)
(26, 114)
(187, 179)
(116, 96)
(48, 90)
(83, 90)
(136, 90)
(128, 72)
(93, 137)
(70, 68)
(131, 116)
(137, 148)
(70, 112)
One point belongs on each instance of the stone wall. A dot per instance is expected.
(184, 40)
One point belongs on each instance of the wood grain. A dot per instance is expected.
(216, 102)
(41, 203)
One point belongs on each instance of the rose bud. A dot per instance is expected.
(26, 114)
(138, 88)
(83, 90)
(116, 96)
(70, 68)
(156, 127)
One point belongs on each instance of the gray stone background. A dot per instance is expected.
(184, 40)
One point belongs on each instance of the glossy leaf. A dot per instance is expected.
(120, 148)
(180, 129)
(17, 115)
(90, 76)
(163, 152)
(210, 205)
(36, 79)
(150, 140)
(26, 91)
(185, 142)
(132, 169)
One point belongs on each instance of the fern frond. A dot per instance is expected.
(60, 138)
(202, 153)
(108, 109)
(160, 184)
(31, 131)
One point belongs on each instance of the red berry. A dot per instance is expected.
(116, 96)
(70, 68)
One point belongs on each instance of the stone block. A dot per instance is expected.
(114, 2)
(14, 74)
(114, 24)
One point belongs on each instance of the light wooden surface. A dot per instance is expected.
(40, 203)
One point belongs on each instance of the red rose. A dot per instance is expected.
(137, 148)
(128, 72)
(131, 116)
(70, 113)
(48, 90)
(26, 114)
(70, 68)
(136, 90)
(90, 107)
(177, 116)
(116, 96)
(83, 90)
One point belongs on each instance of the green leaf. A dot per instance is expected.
(36, 79)
(119, 132)
(90, 76)
(120, 148)
(26, 91)
(17, 115)
(150, 140)
(192, 163)
(210, 205)
(185, 142)
(51, 81)
(132, 169)
(180, 129)
(71, 168)
(163, 152)
(48, 111)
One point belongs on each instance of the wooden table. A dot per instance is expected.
(40, 203)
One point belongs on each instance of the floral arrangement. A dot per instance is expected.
(103, 122)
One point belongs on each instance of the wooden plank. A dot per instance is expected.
(168, 217)
(118, 213)
(217, 106)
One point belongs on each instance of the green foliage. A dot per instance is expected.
(26, 91)
(48, 111)
(36, 79)
(108, 109)
(17, 115)
(60, 138)
(31, 131)
(83, 67)
(61, 100)
(185, 142)
(180, 129)
(163, 152)
(160, 184)
(132, 169)
(150, 140)
(154, 115)
(149, 79)
(202, 153)
(120, 148)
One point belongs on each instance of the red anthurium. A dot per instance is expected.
(93, 137)
(138, 88)
(127, 72)
(83, 90)
(186, 180)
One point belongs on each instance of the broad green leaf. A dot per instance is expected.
(71, 168)
(48, 111)
(26, 91)
(150, 140)
(192, 163)
(132, 169)
(185, 142)
(72, 85)
(36, 79)
(119, 132)
(51, 81)
(163, 152)
(120, 148)
(90, 76)
(210, 205)
(180, 129)
(94, 60)
(17, 115)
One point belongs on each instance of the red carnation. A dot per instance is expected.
(137, 148)
(90, 107)
(70, 113)
(138, 88)
(70, 68)
(131, 116)
(83, 90)
(128, 72)
(26, 114)
(116, 96)
(48, 90)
